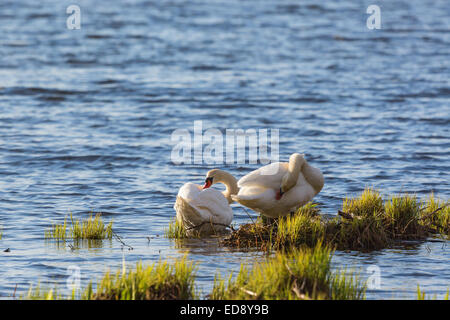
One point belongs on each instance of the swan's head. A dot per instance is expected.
(219, 176)
(213, 176)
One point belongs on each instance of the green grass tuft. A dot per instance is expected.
(435, 215)
(402, 218)
(298, 229)
(361, 226)
(365, 223)
(301, 274)
(159, 281)
(421, 295)
(175, 230)
(363, 233)
(42, 294)
(303, 227)
(369, 203)
(57, 231)
(92, 228)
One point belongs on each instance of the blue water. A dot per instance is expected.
(86, 118)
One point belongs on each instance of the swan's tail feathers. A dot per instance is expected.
(194, 223)
(187, 214)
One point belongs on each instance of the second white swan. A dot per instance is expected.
(279, 188)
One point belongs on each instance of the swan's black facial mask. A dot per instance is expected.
(208, 182)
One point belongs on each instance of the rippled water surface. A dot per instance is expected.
(86, 118)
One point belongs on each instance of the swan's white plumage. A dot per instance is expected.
(202, 210)
(258, 189)
(268, 176)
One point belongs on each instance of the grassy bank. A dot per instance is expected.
(301, 274)
(305, 273)
(365, 223)
(158, 281)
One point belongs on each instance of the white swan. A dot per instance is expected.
(206, 211)
(278, 188)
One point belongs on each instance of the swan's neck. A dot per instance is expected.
(294, 169)
(230, 183)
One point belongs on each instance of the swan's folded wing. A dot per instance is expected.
(213, 206)
(188, 215)
(208, 206)
(268, 176)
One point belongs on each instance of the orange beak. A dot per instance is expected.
(208, 183)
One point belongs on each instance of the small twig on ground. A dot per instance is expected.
(249, 216)
(295, 288)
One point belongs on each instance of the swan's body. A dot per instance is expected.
(206, 211)
(279, 188)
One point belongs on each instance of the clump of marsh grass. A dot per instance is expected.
(57, 231)
(346, 285)
(92, 228)
(421, 295)
(368, 203)
(435, 215)
(159, 281)
(175, 230)
(39, 293)
(301, 274)
(310, 209)
(299, 229)
(256, 234)
(303, 227)
(361, 227)
(365, 223)
(363, 233)
(402, 218)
